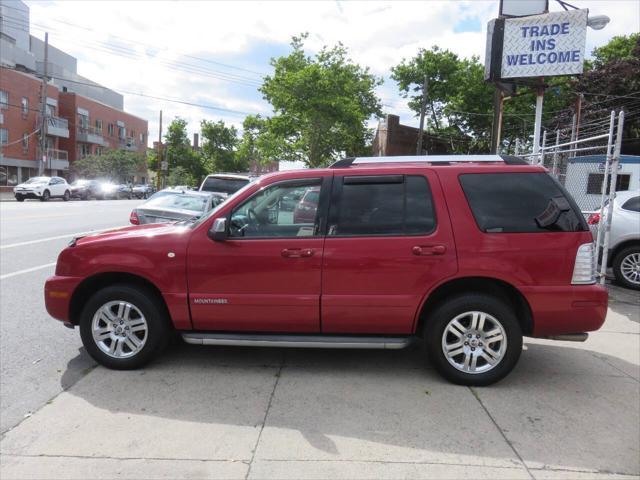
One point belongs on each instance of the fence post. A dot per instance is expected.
(615, 161)
(544, 144)
(554, 169)
(517, 151)
(603, 194)
(573, 134)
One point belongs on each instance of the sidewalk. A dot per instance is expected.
(7, 197)
(568, 410)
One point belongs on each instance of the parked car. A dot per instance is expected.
(43, 188)
(466, 253)
(143, 190)
(624, 238)
(107, 190)
(173, 205)
(224, 183)
(125, 191)
(305, 210)
(85, 189)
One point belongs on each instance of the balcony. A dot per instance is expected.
(128, 144)
(90, 134)
(57, 127)
(57, 159)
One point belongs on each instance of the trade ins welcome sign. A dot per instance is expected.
(544, 45)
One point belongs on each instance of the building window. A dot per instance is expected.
(110, 129)
(4, 136)
(83, 122)
(84, 150)
(8, 176)
(25, 106)
(98, 126)
(27, 173)
(122, 132)
(4, 99)
(594, 183)
(25, 142)
(142, 138)
(98, 150)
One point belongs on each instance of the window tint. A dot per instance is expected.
(223, 185)
(632, 204)
(384, 205)
(287, 209)
(520, 202)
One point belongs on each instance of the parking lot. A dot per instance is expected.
(568, 410)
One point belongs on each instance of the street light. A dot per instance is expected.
(598, 22)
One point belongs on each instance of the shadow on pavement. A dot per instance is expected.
(562, 407)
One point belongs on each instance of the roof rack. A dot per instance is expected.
(441, 159)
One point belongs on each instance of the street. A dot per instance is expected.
(568, 410)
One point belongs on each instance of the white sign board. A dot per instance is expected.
(521, 8)
(164, 165)
(544, 45)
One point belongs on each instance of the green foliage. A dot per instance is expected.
(321, 106)
(618, 48)
(116, 165)
(180, 176)
(180, 156)
(219, 144)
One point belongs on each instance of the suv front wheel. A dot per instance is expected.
(123, 328)
(473, 339)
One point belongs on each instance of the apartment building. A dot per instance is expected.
(82, 117)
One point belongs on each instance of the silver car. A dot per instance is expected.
(172, 205)
(624, 239)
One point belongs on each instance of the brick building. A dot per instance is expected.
(393, 138)
(82, 117)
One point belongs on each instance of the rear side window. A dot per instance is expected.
(383, 205)
(520, 203)
(632, 204)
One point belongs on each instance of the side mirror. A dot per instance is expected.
(218, 231)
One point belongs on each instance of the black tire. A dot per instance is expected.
(66, 196)
(626, 253)
(19, 198)
(451, 308)
(158, 326)
(45, 196)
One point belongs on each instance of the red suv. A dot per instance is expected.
(465, 253)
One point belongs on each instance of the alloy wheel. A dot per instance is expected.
(630, 268)
(474, 342)
(119, 329)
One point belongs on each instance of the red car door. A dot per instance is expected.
(265, 276)
(389, 241)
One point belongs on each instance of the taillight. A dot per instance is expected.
(584, 269)
(133, 218)
(593, 219)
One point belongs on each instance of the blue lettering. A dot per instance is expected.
(575, 56)
(565, 28)
(551, 44)
(544, 30)
(534, 31)
(524, 31)
(512, 60)
(542, 57)
(523, 59)
(564, 57)
(552, 57)
(555, 29)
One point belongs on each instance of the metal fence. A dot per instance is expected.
(587, 167)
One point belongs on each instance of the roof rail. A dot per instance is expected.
(443, 159)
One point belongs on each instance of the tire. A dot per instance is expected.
(66, 196)
(148, 323)
(19, 198)
(45, 196)
(626, 267)
(495, 315)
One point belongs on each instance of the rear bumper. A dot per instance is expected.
(571, 309)
(57, 296)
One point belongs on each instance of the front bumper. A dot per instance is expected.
(571, 309)
(27, 193)
(57, 296)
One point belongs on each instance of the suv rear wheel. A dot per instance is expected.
(122, 327)
(626, 267)
(473, 339)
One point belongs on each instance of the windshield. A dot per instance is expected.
(223, 185)
(38, 180)
(229, 199)
(178, 201)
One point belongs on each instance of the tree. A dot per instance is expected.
(619, 48)
(179, 154)
(116, 165)
(321, 105)
(219, 143)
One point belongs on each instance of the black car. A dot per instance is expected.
(85, 189)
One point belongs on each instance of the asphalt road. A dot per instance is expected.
(36, 352)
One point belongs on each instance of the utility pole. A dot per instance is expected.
(423, 108)
(43, 109)
(498, 104)
(538, 124)
(158, 184)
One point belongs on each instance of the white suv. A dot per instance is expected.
(43, 188)
(224, 183)
(624, 239)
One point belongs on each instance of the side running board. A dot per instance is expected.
(296, 341)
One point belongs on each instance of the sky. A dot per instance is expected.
(216, 53)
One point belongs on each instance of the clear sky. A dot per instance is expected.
(215, 53)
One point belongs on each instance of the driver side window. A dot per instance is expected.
(287, 209)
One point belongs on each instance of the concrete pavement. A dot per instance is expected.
(567, 411)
